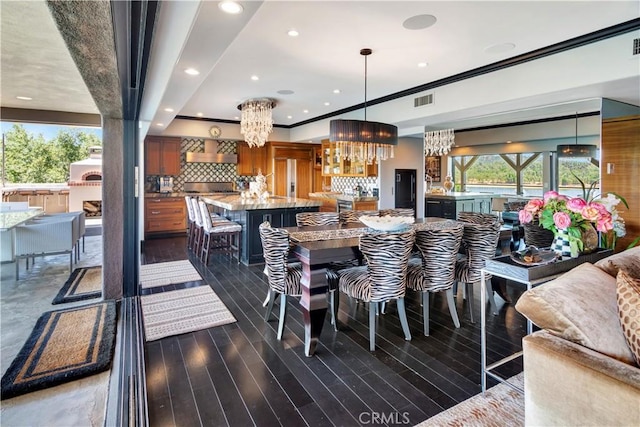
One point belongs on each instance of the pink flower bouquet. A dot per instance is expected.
(559, 213)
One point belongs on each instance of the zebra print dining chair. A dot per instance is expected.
(398, 212)
(304, 219)
(479, 243)
(283, 278)
(349, 216)
(383, 277)
(435, 270)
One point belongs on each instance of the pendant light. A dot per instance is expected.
(363, 140)
(576, 150)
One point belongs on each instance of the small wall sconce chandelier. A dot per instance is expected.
(256, 122)
(439, 142)
(363, 140)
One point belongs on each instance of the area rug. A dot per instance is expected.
(84, 283)
(65, 345)
(185, 310)
(167, 273)
(500, 406)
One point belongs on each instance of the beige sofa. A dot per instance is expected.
(582, 368)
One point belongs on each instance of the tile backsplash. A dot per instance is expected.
(228, 172)
(346, 184)
(203, 172)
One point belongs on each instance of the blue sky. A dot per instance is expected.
(49, 131)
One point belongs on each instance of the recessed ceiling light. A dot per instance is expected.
(289, 117)
(192, 71)
(327, 103)
(236, 118)
(336, 91)
(230, 7)
(255, 78)
(24, 98)
(200, 114)
(293, 33)
(509, 142)
(419, 22)
(305, 111)
(169, 110)
(159, 124)
(500, 48)
(422, 64)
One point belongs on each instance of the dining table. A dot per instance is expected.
(317, 246)
(9, 220)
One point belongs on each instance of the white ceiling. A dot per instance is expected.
(229, 49)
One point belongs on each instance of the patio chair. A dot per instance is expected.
(45, 238)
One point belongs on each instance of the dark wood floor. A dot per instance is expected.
(240, 374)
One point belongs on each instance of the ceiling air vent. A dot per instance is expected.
(423, 100)
(636, 46)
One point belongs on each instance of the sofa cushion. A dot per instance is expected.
(579, 306)
(628, 261)
(628, 293)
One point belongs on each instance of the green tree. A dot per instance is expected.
(31, 159)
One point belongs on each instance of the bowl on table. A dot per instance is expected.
(387, 222)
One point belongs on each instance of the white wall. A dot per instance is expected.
(409, 154)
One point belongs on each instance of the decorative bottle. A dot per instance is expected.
(448, 184)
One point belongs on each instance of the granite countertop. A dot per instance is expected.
(345, 197)
(11, 219)
(457, 196)
(33, 187)
(154, 195)
(237, 203)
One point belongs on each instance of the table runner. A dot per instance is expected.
(346, 233)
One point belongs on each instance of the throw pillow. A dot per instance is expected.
(628, 261)
(628, 293)
(579, 306)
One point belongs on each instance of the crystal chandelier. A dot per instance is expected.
(256, 122)
(362, 140)
(439, 142)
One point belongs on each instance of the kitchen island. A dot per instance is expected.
(335, 202)
(449, 205)
(251, 212)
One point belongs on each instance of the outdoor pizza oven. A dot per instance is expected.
(85, 184)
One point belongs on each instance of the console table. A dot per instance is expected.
(530, 276)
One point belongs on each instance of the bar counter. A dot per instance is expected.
(237, 203)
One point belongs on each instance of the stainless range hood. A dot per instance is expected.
(210, 154)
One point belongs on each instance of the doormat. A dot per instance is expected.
(185, 310)
(65, 345)
(500, 406)
(84, 283)
(167, 273)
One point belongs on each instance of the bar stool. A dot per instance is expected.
(219, 235)
(191, 220)
(197, 226)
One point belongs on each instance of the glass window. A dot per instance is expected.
(492, 174)
(532, 175)
(573, 170)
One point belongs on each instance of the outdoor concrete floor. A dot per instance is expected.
(77, 403)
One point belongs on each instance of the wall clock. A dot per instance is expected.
(215, 131)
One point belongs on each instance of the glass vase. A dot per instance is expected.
(448, 184)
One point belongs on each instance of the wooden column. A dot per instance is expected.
(620, 169)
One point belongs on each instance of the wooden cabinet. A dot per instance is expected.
(250, 160)
(320, 182)
(357, 205)
(165, 215)
(333, 164)
(162, 155)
